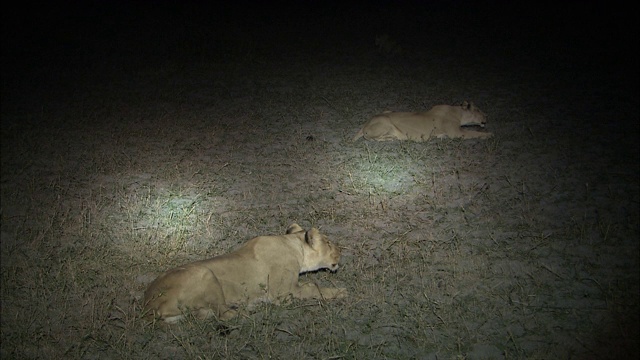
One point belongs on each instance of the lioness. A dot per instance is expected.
(265, 268)
(441, 121)
(387, 45)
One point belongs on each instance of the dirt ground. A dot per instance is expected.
(173, 142)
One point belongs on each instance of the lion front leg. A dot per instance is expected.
(313, 291)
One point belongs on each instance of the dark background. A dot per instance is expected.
(68, 42)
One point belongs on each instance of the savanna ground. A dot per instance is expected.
(146, 150)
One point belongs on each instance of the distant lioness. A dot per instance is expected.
(264, 269)
(441, 121)
(387, 45)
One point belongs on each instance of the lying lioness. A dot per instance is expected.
(265, 268)
(441, 121)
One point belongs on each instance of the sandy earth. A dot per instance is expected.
(151, 148)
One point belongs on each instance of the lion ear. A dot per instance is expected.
(294, 228)
(313, 237)
(465, 104)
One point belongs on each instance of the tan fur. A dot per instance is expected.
(441, 121)
(265, 268)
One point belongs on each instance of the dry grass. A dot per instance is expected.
(521, 246)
